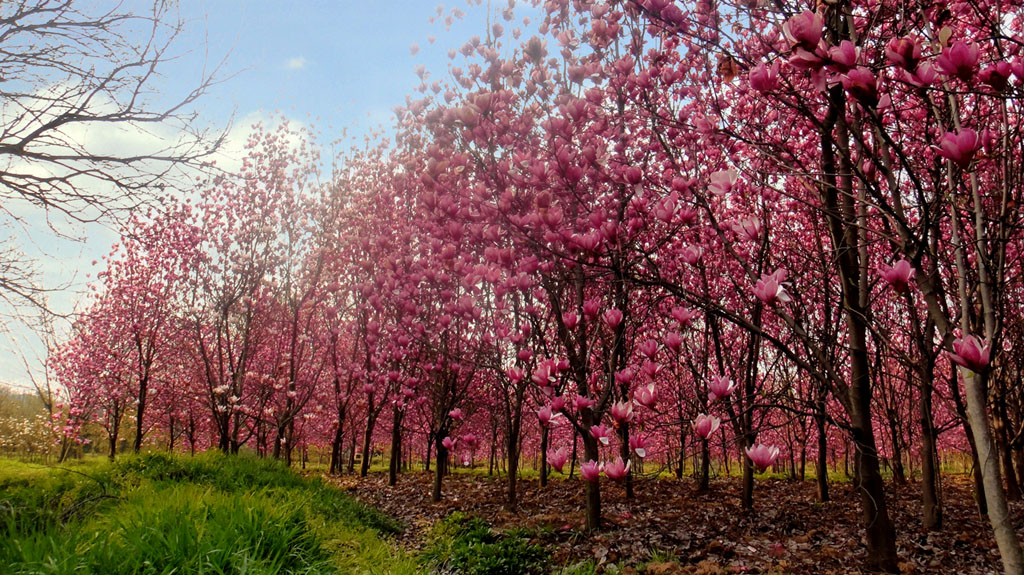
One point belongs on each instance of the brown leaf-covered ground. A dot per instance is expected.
(788, 532)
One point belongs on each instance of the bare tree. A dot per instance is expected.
(87, 131)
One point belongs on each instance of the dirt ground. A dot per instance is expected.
(706, 533)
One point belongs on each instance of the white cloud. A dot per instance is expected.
(65, 265)
(296, 63)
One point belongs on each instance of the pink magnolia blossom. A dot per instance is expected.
(959, 60)
(748, 229)
(469, 440)
(583, 402)
(804, 29)
(683, 315)
(843, 58)
(601, 433)
(862, 85)
(651, 368)
(687, 215)
(665, 210)
(612, 318)
(448, 443)
(674, 341)
(456, 414)
(590, 471)
(997, 76)
(924, 75)
(590, 242)
(904, 53)
(723, 181)
(771, 288)
(960, 147)
(638, 444)
(691, 255)
(705, 425)
(570, 320)
(649, 348)
(515, 375)
(624, 376)
(621, 412)
(762, 456)
(720, 386)
(547, 416)
(557, 459)
(544, 375)
(557, 404)
(1017, 66)
(897, 276)
(646, 396)
(552, 216)
(971, 353)
(616, 470)
(764, 78)
(805, 59)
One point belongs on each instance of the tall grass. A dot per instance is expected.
(164, 514)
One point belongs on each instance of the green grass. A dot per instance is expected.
(164, 514)
(469, 546)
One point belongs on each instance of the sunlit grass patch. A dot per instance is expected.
(160, 513)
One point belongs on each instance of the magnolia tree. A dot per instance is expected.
(667, 232)
(878, 124)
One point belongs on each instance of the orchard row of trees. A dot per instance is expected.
(650, 232)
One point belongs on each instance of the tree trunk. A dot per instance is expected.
(575, 445)
(492, 459)
(430, 452)
(998, 511)
(511, 495)
(682, 449)
(898, 474)
(337, 446)
(439, 469)
(544, 457)
(170, 434)
(747, 497)
(592, 488)
(278, 437)
(513, 445)
(822, 463)
(803, 462)
(224, 440)
(364, 466)
(838, 199)
(1018, 459)
(979, 485)
(624, 453)
(396, 446)
(289, 441)
(704, 479)
(112, 441)
(140, 412)
(1000, 428)
(352, 454)
(930, 490)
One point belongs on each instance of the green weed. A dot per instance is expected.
(468, 546)
(161, 514)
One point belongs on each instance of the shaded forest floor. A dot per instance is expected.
(670, 528)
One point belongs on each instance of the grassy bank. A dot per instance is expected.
(165, 514)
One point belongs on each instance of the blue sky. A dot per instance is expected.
(339, 65)
(344, 62)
